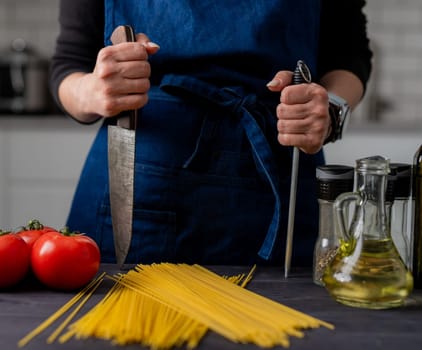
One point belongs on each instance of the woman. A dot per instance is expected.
(218, 115)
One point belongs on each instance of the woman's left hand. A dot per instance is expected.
(303, 117)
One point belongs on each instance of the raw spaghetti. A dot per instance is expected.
(167, 305)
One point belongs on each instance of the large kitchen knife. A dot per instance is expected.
(121, 162)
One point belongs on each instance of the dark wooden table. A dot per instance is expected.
(24, 308)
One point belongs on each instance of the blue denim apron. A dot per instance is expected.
(211, 181)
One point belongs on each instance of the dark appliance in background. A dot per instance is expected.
(23, 80)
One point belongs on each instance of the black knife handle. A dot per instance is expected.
(123, 34)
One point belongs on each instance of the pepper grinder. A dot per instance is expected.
(332, 180)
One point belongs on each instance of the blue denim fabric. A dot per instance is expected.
(226, 42)
(211, 183)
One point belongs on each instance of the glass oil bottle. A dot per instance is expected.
(367, 271)
(332, 180)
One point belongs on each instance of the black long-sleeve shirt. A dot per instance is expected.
(343, 41)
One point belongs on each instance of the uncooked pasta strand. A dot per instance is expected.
(63, 325)
(50, 320)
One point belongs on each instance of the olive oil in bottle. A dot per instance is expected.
(378, 280)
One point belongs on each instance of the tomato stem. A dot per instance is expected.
(3, 233)
(34, 224)
(66, 232)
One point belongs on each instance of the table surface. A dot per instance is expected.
(25, 307)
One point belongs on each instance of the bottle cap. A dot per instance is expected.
(334, 179)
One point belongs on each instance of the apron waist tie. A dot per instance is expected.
(242, 106)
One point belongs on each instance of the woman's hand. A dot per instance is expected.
(119, 82)
(303, 118)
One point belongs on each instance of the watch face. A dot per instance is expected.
(339, 113)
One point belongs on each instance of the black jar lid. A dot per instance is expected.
(334, 179)
(402, 179)
(391, 183)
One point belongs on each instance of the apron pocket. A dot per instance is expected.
(153, 236)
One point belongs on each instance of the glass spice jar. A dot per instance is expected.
(332, 180)
(399, 209)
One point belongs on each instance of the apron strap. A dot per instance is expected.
(245, 107)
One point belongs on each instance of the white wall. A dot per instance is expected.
(40, 162)
(397, 145)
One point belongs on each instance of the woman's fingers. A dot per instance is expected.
(303, 119)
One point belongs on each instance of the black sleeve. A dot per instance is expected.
(79, 40)
(344, 43)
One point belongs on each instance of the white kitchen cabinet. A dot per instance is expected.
(40, 161)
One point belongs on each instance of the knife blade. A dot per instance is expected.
(301, 75)
(121, 163)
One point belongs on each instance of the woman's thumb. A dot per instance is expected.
(150, 46)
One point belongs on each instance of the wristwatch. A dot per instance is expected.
(339, 113)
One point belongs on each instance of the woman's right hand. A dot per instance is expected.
(119, 82)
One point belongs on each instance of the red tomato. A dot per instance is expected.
(14, 259)
(63, 260)
(33, 231)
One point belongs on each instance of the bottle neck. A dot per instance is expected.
(374, 214)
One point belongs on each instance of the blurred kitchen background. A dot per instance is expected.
(42, 152)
